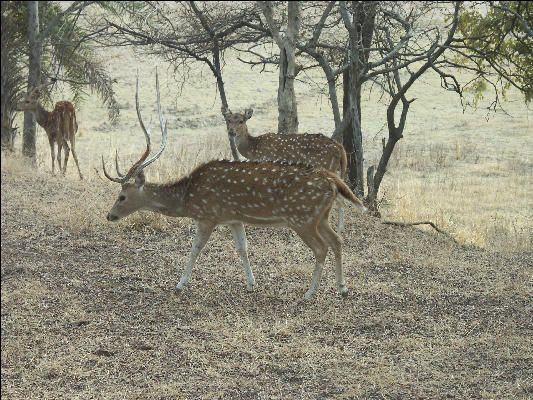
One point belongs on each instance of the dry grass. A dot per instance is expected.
(472, 176)
(88, 309)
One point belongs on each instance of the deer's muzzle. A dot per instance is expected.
(111, 217)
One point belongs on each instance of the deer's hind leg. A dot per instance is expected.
(334, 241)
(67, 154)
(75, 158)
(316, 243)
(52, 153)
(59, 146)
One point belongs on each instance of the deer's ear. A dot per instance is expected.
(139, 180)
(248, 113)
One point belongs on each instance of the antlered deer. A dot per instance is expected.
(233, 193)
(59, 124)
(312, 149)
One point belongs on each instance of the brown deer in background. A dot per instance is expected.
(59, 124)
(232, 193)
(316, 150)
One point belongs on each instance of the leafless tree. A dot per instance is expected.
(186, 32)
(287, 104)
(370, 42)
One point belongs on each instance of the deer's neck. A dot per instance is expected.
(246, 144)
(41, 115)
(167, 199)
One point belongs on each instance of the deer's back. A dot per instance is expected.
(62, 115)
(259, 192)
(313, 149)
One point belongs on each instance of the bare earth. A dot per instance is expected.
(89, 310)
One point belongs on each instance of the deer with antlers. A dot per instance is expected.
(59, 124)
(312, 149)
(233, 193)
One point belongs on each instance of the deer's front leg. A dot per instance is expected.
(239, 236)
(203, 231)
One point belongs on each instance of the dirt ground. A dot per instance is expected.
(89, 310)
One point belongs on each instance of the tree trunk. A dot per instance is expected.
(352, 135)
(287, 106)
(223, 99)
(360, 30)
(34, 76)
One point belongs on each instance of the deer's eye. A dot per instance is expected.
(121, 197)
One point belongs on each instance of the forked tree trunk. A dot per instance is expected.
(34, 77)
(361, 30)
(287, 105)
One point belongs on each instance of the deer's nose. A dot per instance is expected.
(231, 132)
(111, 217)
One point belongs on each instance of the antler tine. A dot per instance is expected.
(163, 126)
(120, 180)
(141, 164)
(116, 165)
(138, 166)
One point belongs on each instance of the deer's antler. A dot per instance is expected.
(141, 164)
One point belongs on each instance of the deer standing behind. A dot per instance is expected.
(233, 193)
(312, 149)
(59, 124)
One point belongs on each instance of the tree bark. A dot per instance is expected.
(34, 77)
(352, 135)
(361, 30)
(287, 105)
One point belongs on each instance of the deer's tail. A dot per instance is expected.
(344, 162)
(346, 192)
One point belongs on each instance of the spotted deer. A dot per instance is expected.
(59, 124)
(312, 149)
(232, 193)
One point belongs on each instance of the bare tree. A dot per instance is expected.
(287, 104)
(186, 32)
(383, 42)
(388, 45)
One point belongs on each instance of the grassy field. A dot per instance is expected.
(88, 307)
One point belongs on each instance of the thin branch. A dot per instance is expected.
(420, 223)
